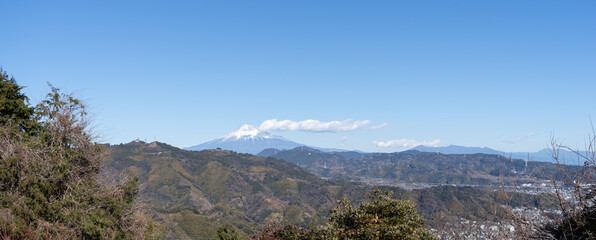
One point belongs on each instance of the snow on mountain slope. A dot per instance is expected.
(247, 139)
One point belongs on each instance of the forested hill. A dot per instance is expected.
(195, 192)
(420, 167)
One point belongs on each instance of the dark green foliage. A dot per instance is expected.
(382, 217)
(285, 232)
(227, 232)
(48, 178)
(14, 109)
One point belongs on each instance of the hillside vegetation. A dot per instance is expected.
(196, 192)
(48, 174)
(421, 167)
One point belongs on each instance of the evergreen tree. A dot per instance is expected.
(14, 109)
(382, 217)
(227, 232)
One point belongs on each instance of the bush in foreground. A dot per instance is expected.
(382, 217)
(48, 174)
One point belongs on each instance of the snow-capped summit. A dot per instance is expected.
(247, 139)
(246, 132)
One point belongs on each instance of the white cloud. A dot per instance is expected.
(519, 138)
(406, 143)
(311, 125)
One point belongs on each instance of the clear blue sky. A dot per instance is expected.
(500, 74)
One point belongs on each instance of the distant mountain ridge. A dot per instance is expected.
(454, 149)
(249, 139)
(414, 166)
(544, 155)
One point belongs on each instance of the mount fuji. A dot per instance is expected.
(247, 139)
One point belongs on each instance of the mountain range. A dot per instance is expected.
(544, 155)
(249, 139)
(194, 192)
(413, 166)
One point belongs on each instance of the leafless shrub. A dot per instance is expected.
(575, 191)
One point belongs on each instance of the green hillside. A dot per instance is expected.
(421, 167)
(194, 192)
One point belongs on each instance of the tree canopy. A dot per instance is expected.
(382, 217)
(14, 108)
